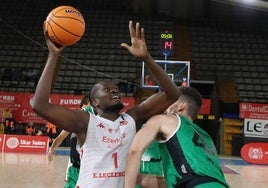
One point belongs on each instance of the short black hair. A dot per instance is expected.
(193, 99)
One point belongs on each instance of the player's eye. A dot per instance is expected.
(106, 89)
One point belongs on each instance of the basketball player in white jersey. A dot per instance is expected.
(105, 138)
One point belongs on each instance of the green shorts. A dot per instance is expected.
(72, 177)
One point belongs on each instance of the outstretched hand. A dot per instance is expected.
(138, 46)
(52, 47)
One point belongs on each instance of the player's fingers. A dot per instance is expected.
(131, 29)
(125, 45)
(138, 32)
(143, 34)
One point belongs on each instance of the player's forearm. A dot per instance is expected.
(43, 88)
(59, 139)
(56, 143)
(132, 169)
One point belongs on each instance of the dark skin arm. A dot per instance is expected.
(158, 102)
(66, 119)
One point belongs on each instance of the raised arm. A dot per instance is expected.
(69, 120)
(160, 101)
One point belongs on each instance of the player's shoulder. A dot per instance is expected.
(163, 118)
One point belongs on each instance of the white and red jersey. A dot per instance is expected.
(104, 153)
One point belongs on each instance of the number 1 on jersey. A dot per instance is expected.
(114, 156)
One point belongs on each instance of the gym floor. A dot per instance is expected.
(35, 171)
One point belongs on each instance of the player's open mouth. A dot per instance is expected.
(116, 97)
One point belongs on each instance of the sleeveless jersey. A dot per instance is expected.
(104, 153)
(190, 150)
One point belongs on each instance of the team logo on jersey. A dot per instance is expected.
(111, 135)
(100, 125)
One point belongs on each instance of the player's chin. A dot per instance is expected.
(115, 106)
(118, 106)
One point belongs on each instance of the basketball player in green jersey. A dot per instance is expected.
(188, 152)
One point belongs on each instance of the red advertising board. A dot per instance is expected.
(25, 144)
(2, 137)
(253, 110)
(255, 153)
(205, 108)
(18, 104)
(69, 101)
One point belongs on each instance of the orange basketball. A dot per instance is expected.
(65, 25)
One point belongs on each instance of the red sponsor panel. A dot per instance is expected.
(26, 144)
(253, 110)
(19, 104)
(9, 101)
(255, 153)
(68, 101)
(2, 137)
(25, 115)
(205, 108)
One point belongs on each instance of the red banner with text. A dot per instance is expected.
(18, 104)
(25, 144)
(253, 110)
